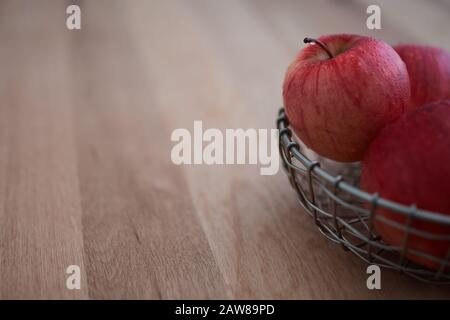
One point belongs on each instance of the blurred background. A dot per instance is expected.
(85, 171)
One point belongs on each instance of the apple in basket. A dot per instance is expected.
(341, 90)
(429, 73)
(409, 162)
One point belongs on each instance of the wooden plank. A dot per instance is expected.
(40, 213)
(142, 235)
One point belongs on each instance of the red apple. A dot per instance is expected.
(409, 162)
(339, 92)
(429, 73)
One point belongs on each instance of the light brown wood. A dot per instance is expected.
(86, 175)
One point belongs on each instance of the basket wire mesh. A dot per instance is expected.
(329, 192)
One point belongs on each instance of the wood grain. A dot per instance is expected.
(86, 176)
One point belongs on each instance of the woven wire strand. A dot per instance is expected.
(329, 192)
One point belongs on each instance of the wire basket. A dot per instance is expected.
(329, 192)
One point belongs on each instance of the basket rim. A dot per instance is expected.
(285, 138)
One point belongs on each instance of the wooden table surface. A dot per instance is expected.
(85, 170)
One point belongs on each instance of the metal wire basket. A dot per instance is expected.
(329, 192)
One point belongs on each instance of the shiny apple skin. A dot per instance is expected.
(409, 162)
(429, 73)
(337, 106)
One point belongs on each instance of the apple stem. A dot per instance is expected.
(320, 43)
